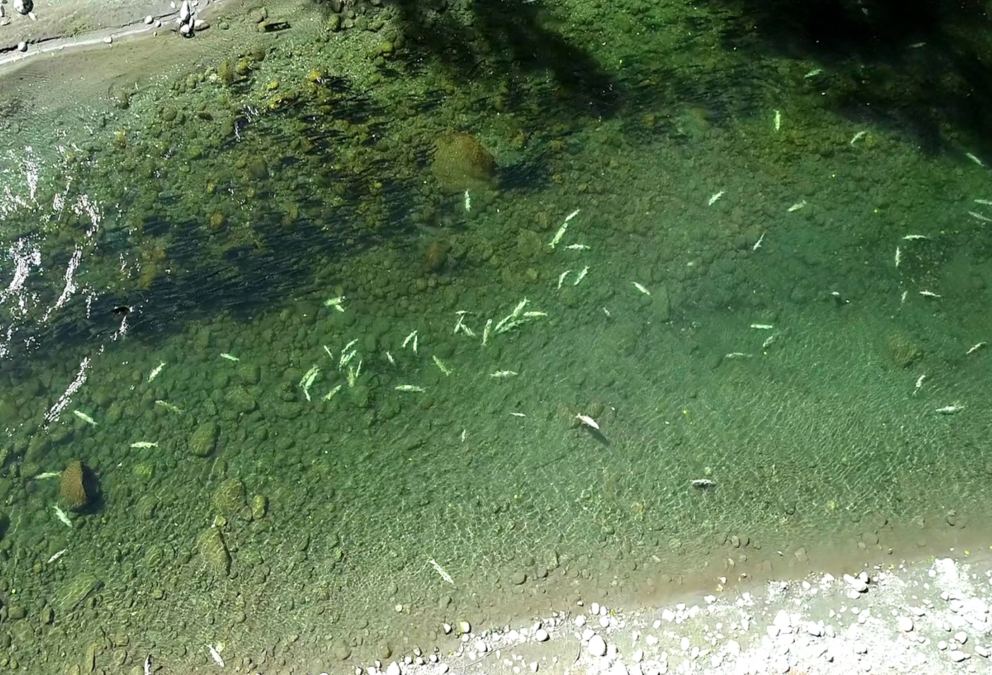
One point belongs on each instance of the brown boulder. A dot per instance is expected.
(78, 485)
(461, 163)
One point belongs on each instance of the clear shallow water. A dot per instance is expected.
(205, 251)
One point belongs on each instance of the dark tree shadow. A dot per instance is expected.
(922, 66)
(501, 38)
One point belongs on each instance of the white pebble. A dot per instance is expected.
(580, 620)
(957, 655)
(464, 627)
(651, 640)
(905, 624)
(109, 40)
(942, 645)
(961, 636)
(638, 655)
(597, 646)
(981, 651)
(782, 620)
(856, 583)
(541, 635)
(149, 20)
(481, 646)
(22, 46)
(447, 628)
(393, 668)
(594, 608)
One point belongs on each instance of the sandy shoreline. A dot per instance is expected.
(137, 53)
(916, 617)
(77, 24)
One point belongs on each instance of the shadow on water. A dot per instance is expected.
(920, 66)
(282, 200)
(331, 172)
(503, 38)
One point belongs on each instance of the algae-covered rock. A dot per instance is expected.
(461, 163)
(259, 506)
(75, 591)
(240, 399)
(229, 496)
(78, 486)
(203, 440)
(214, 551)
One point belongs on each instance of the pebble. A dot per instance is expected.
(597, 646)
(149, 20)
(781, 620)
(22, 46)
(957, 655)
(905, 624)
(857, 583)
(541, 635)
(961, 636)
(393, 668)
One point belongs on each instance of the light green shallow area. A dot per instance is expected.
(731, 298)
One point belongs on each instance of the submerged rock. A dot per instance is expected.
(74, 591)
(78, 486)
(229, 496)
(461, 163)
(214, 551)
(203, 440)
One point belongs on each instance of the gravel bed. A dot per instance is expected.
(921, 617)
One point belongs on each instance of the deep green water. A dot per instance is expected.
(170, 271)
